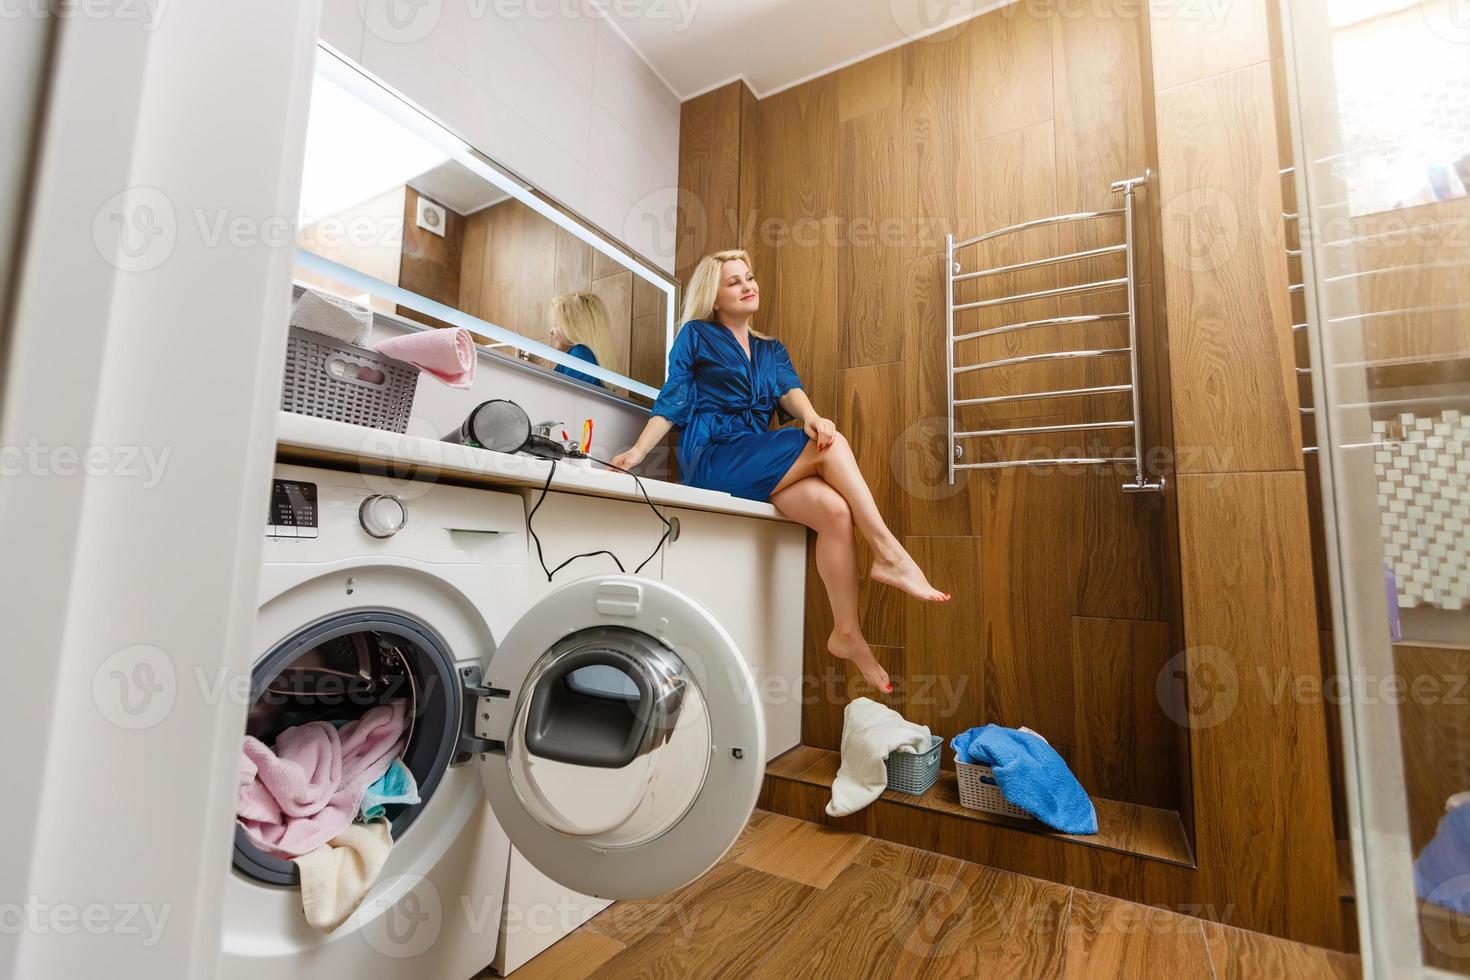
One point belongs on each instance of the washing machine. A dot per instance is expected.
(610, 729)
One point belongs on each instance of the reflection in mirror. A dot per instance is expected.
(412, 221)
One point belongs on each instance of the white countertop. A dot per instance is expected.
(314, 441)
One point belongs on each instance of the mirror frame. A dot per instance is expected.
(357, 80)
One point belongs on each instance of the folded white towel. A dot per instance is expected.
(869, 732)
(332, 316)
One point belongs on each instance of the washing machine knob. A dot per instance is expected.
(382, 515)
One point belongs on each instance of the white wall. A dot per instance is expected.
(126, 586)
(557, 96)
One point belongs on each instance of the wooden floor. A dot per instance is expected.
(795, 899)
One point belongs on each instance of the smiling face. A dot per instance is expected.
(739, 295)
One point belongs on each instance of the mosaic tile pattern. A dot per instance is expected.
(1424, 505)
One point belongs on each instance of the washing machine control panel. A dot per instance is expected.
(293, 510)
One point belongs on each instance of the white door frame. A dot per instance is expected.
(137, 421)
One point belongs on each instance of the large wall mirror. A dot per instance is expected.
(398, 211)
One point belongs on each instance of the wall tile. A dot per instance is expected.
(627, 95)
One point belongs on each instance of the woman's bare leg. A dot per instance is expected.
(821, 508)
(838, 467)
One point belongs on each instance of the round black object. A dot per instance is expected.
(407, 659)
(499, 424)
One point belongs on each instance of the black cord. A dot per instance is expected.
(546, 488)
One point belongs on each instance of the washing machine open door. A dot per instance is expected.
(621, 737)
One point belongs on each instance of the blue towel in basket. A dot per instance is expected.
(1031, 775)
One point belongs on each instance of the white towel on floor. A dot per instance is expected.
(869, 732)
(332, 316)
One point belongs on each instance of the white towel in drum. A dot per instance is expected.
(332, 316)
(869, 732)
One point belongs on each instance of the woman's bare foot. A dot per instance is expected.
(904, 573)
(852, 646)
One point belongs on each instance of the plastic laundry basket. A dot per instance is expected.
(914, 772)
(334, 380)
(979, 791)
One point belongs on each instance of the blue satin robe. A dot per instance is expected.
(586, 354)
(723, 402)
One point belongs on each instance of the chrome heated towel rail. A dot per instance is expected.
(954, 275)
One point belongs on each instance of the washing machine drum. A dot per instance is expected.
(624, 741)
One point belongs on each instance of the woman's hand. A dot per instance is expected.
(628, 459)
(821, 431)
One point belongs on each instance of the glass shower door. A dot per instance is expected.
(1378, 239)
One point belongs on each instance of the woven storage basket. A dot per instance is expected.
(914, 772)
(979, 791)
(330, 379)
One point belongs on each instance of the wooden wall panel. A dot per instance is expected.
(938, 140)
(430, 263)
(1027, 530)
(1121, 728)
(873, 429)
(647, 352)
(709, 175)
(943, 650)
(1192, 41)
(1015, 182)
(616, 293)
(1012, 80)
(1434, 723)
(870, 86)
(870, 263)
(1259, 764)
(1234, 379)
(929, 501)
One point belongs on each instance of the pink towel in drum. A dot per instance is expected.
(295, 797)
(447, 353)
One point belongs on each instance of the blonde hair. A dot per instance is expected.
(704, 285)
(582, 319)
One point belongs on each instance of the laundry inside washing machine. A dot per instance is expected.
(339, 670)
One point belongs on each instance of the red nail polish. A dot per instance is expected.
(888, 689)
